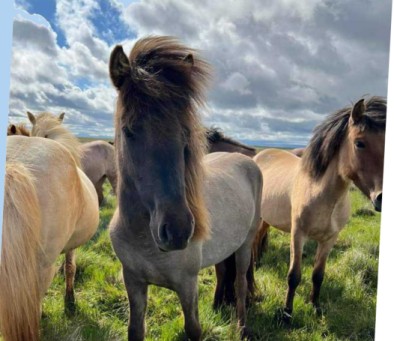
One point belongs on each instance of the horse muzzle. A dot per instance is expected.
(174, 232)
(377, 202)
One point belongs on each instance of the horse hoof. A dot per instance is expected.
(318, 311)
(283, 317)
(246, 333)
(69, 305)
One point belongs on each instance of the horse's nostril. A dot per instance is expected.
(165, 234)
(379, 198)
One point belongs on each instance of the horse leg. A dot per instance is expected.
(99, 190)
(242, 260)
(220, 270)
(69, 270)
(260, 242)
(112, 178)
(294, 274)
(188, 295)
(137, 295)
(250, 280)
(322, 252)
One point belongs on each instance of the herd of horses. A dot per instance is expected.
(187, 197)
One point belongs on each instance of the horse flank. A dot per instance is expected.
(170, 79)
(328, 136)
(48, 125)
(19, 288)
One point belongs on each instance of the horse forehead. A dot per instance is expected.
(356, 132)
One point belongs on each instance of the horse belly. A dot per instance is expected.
(276, 211)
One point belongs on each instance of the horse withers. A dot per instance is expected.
(178, 211)
(308, 196)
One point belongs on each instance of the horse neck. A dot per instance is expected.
(71, 143)
(332, 186)
(224, 146)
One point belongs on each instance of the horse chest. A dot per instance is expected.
(141, 257)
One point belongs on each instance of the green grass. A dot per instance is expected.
(348, 295)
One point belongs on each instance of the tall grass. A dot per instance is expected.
(348, 295)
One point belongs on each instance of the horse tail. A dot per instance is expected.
(260, 243)
(19, 286)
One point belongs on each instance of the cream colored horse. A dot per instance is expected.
(308, 196)
(50, 208)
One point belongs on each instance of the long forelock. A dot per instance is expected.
(167, 88)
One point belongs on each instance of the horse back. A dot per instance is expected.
(279, 169)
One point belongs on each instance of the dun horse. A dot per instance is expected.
(225, 271)
(50, 207)
(308, 196)
(98, 163)
(169, 195)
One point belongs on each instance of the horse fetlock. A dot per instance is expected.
(193, 332)
(245, 333)
(69, 303)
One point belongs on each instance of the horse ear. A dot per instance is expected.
(119, 66)
(31, 117)
(358, 111)
(13, 129)
(61, 116)
(189, 59)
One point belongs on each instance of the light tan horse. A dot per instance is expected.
(49, 126)
(50, 207)
(308, 196)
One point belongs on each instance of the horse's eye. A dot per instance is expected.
(46, 136)
(127, 132)
(359, 144)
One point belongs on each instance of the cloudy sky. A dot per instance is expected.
(280, 66)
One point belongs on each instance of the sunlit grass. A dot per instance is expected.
(348, 295)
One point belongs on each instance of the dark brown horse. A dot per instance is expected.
(171, 218)
(218, 142)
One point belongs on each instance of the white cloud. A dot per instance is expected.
(279, 65)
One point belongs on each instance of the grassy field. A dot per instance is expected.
(348, 294)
